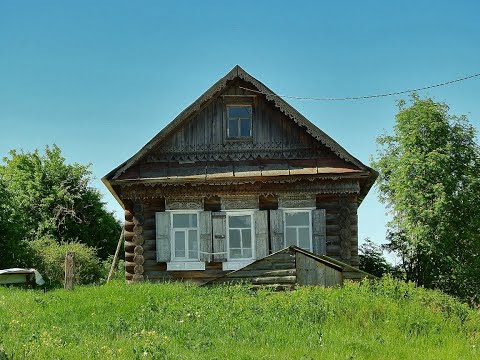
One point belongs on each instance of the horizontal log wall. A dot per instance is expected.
(342, 227)
(140, 243)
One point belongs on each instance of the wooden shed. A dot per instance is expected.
(294, 266)
(238, 176)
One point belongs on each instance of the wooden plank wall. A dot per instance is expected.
(269, 125)
(313, 272)
(335, 206)
(272, 130)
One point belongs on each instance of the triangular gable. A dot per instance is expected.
(282, 105)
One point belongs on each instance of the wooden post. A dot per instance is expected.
(27, 281)
(115, 258)
(69, 270)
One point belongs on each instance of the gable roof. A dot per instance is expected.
(281, 104)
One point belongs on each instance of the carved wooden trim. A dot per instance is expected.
(185, 203)
(297, 201)
(236, 151)
(252, 188)
(239, 202)
(288, 110)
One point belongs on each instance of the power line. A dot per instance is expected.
(365, 96)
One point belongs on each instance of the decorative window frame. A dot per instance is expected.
(307, 210)
(183, 264)
(239, 137)
(236, 263)
(238, 100)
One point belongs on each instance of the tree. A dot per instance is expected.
(429, 179)
(372, 259)
(11, 245)
(50, 198)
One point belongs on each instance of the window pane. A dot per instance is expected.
(304, 238)
(247, 253)
(235, 253)
(179, 240)
(234, 238)
(245, 127)
(193, 254)
(179, 253)
(184, 220)
(233, 128)
(297, 219)
(241, 221)
(247, 238)
(192, 240)
(239, 112)
(291, 236)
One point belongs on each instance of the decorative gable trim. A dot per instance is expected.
(282, 105)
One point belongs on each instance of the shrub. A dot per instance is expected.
(49, 259)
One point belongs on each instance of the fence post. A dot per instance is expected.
(69, 270)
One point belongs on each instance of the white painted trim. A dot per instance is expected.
(172, 238)
(235, 265)
(252, 232)
(185, 265)
(310, 220)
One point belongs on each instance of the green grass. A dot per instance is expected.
(384, 320)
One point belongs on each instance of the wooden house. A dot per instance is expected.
(237, 177)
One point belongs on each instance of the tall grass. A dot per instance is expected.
(372, 320)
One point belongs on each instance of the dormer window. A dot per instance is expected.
(239, 121)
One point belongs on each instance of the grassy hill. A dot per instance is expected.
(384, 320)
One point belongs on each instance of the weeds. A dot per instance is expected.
(386, 319)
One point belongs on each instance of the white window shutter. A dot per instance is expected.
(163, 236)
(319, 233)
(261, 233)
(276, 230)
(219, 225)
(205, 222)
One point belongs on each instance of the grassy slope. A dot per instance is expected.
(388, 320)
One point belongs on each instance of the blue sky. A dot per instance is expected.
(100, 78)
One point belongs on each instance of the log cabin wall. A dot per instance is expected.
(146, 266)
(342, 226)
(140, 238)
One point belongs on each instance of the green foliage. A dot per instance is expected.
(429, 178)
(10, 246)
(388, 319)
(49, 198)
(50, 261)
(372, 259)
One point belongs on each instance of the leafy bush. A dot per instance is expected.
(49, 259)
(119, 272)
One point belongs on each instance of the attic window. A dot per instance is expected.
(239, 122)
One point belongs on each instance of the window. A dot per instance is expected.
(185, 237)
(240, 237)
(297, 229)
(239, 121)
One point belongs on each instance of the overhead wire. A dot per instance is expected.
(364, 96)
